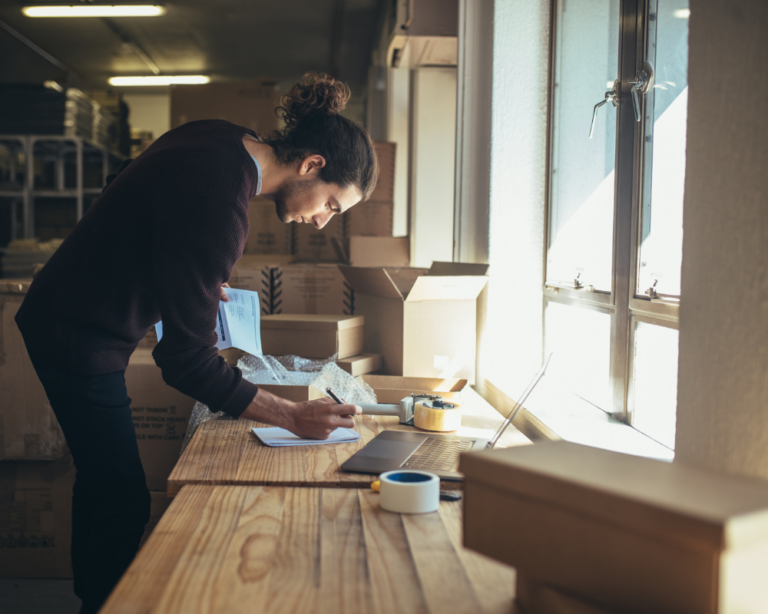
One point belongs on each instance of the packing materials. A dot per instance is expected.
(379, 251)
(360, 365)
(300, 288)
(313, 245)
(160, 417)
(369, 219)
(267, 234)
(249, 104)
(392, 389)
(440, 416)
(28, 427)
(312, 336)
(630, 534)
(385, 186)
(424, 325)
(36, 518)
(407, 491)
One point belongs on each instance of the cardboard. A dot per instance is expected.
(159, 505)
(379, 251)
(313, 245)
(361, 364)
(631, 534)
(28, 427)
(249, 104)
(369, 219)
(297, 394)
(36, 518)
(424, 325)
(301, 289)
(160, 417)
(392, 389)
(385, 186)
(267, 234)
(312, 336)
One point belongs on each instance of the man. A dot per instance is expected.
(160, 243)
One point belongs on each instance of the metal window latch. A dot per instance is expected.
(577, 283)
(613, 97)
(641, 85)
(651, 292)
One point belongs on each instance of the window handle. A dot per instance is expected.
(640, 85)
(611, 96)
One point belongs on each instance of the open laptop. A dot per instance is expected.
(438, 454)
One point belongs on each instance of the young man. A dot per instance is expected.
(160, 243)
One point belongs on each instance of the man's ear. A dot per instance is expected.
(311, 164)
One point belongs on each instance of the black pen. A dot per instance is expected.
(332, 394)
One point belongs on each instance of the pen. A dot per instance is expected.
(332, 394)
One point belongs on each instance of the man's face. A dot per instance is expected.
(305, 198)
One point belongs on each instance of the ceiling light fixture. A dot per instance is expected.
(160, 80)
(114, 10)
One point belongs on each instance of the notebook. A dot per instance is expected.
(275, 437)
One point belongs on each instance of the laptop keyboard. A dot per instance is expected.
(437, 454)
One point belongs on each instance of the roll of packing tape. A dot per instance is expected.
(437, 416)
(409, 492)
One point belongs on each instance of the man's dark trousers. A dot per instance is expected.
(110, 506)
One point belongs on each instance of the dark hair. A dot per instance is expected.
(313, 125)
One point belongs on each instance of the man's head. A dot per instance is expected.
(332, 158)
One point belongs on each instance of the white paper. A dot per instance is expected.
(238, 323)
(277, 438)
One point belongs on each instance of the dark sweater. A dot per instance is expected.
(157, 244)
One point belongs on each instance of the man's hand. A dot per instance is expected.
(309, 419)
(224, 296)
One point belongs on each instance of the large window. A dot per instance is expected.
(617, 160)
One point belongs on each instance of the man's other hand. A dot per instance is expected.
(224, 296)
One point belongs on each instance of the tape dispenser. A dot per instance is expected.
(424, 411)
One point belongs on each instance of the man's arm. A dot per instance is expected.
(309, 419)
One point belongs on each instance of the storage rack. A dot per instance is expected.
(57, 150)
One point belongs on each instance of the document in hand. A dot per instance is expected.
(238, 324)
(276, 437)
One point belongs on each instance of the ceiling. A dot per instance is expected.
(225, 39)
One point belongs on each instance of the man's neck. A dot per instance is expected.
(273, 173)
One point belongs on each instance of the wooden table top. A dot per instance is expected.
(225, 452)
(305, 550)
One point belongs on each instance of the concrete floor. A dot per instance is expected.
(37, 597)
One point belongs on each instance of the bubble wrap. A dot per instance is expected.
(289, 370)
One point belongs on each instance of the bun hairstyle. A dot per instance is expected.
(313, 125)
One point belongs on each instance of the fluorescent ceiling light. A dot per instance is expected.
(683, 13)
(160, 80)
(114, 10)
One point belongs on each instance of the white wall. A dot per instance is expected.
(722, 414)
(398, 131)
(149, 112)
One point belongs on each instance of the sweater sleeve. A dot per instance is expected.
(196, 241)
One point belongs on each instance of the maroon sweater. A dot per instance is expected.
(157, 244)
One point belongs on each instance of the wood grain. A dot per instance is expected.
(239, 549)
(225, 452)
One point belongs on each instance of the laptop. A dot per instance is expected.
(438, 454)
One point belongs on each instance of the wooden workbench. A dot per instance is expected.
(226, 452)
(305, 550)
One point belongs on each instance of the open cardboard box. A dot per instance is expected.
(393, 388)
(423, 322)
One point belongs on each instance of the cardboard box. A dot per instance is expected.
(313, 245)
(301, 288)
(249, 104)
(159, 505)
(312, 336)
(28, 427)
(424, 325)
(361, 364)
(385, 186)
(394, 388)
(379, 251)
(267, 234)
(36, 518)
(160, 417)
(297, 394)
(631, 534)
(369, 219)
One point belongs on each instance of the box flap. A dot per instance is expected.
(457, 268)
(440, 288)
(371, 280)
(405, 277)
(670, 501)
(308, 321)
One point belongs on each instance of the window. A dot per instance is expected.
(617, 162)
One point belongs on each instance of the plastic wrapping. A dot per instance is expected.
(289, 370)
